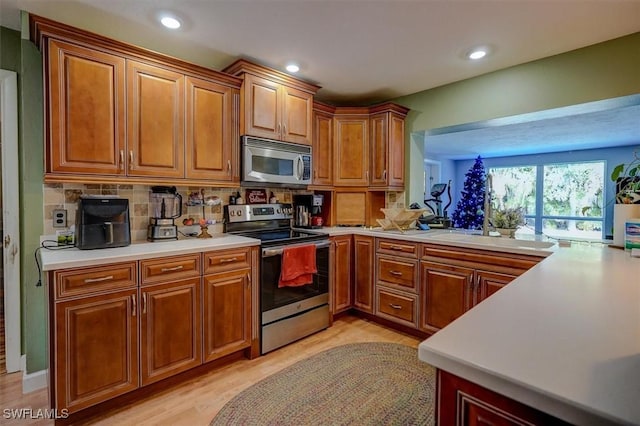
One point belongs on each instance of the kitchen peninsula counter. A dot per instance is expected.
(563, 338)
(72, 257)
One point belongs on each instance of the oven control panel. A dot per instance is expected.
(251, 212)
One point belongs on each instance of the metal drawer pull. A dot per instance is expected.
(97, 280)
(175, 268)
(395, 306)
(395, 247)
(229, 167)
(233, 259)
(133, 303)
(144, 303)
(121, 159)
(397, 273)
(248, 280)
(131, 160)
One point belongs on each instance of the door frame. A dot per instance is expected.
(10, 216)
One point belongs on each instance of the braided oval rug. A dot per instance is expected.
(353, 384)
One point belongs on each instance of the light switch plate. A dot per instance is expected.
(59, 218)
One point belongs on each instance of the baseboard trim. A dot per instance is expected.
(32, 381)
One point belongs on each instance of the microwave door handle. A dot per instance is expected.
(300, 167)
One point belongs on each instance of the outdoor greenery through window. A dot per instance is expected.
(563, 200)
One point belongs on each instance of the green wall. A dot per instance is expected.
(21, 56)
(602, 71)
(31, 160)
(9, 49)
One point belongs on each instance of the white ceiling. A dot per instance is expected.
(357, 50)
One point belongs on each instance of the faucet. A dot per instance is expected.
(486, 223)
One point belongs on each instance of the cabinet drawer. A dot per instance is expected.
(169, 268)
(397, 248)
(82, 281)
(227, 260)
(397, 306)
(398, 271)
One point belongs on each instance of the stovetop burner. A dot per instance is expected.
(270, 223)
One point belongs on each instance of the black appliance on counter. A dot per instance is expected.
(307, 210)
(286, 313)
(102, 222)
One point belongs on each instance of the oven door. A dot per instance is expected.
(268, 161)
(275, 299)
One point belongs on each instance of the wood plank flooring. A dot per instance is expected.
(196, 402)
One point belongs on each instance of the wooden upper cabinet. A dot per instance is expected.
(297, 110)
(262, 115)
(117, 113)
(322, 148)
(155, 114)
(277, 112)
(86, 105)
(387, 145)
(351, 146)
(274, 104)
(210, 152)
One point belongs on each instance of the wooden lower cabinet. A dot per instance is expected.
(96, 349)
(170, 329)
(446, 293)
(397, 306)
(341, 256)
(464, 403)
(363, 273)
(227, 313)
(490, 282)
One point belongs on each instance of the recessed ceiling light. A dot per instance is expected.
(170, 22)
(292, 68)
(477, 54)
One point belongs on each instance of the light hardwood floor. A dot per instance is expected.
(196, 402)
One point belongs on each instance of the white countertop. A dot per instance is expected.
(533, 246)
(564, 338)
(73, 258)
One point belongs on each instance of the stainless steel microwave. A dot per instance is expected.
(272, 162)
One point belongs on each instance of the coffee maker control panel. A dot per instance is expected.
(252, 212)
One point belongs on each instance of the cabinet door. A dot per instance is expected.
(489, 283)
(96, 349)
(342, 273)
(378, 143)
(351, 148)
(395, 149)
(227, 313)
(155, 121)
(209, 131)
(446, 294)
(322, 149)
(297, 109)
(86, 97)
(170, 329)
(363, 273)
(261, 108)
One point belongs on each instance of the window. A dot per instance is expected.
(570, 200)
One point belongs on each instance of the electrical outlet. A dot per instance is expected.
(60, 218)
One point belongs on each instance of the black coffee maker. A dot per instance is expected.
(307, 210)
(102, 222)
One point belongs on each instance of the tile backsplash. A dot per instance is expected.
(65, 196)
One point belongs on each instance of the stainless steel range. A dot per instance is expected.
(287, 313)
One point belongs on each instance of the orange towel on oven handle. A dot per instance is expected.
(298, 266)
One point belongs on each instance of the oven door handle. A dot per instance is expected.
(278, 250)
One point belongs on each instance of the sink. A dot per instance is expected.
(493, 241)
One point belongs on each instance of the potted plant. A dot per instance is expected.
(627, 180)
(626, 177)
(507, 220)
